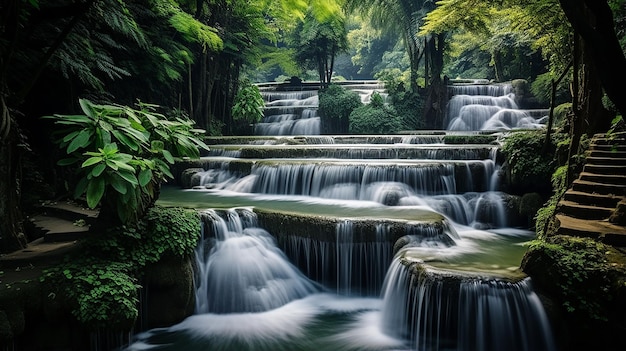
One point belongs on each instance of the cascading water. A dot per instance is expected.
(295, 112)
(408, 247)
(476, 107)
(439, 310)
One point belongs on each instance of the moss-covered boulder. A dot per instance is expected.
(586, 280)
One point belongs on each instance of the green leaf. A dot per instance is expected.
(92, 161)
(81, 140)
(118, 184)
(122, 165)
(129, 177)
(97, 170)
(164, 168)
(80, 187)
(67, 161)
(95, 191)
(157, 145)
(145, 176)
(168, 156)
(87, 107)
(122, 138)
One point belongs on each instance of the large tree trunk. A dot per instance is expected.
(593, 20)
(437, 96)
(11, 228)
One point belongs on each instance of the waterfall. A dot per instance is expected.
(363, 242)
(295, 112)
(444, 311)
(487, 107)
(240, 269)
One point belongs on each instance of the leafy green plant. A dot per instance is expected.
(374, 118)
(335, 105)
(248, 105)
(100, 293)
(124, 154)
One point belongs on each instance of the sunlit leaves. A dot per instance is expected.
(196, 31)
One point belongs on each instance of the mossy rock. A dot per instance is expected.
(588, 277)
(619, 215)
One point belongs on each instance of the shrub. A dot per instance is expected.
(124, 154)
(529, 169)
(248, 105)
(375, 118)
(335, 105)
(408, 104)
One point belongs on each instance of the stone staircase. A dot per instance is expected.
(599, 191)
(55, 229)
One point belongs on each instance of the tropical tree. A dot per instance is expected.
(318, 41)
(398, 16)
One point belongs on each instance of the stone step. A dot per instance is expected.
(615, 137)
(36, 252)
(605, 161)
(68, 210)
(592, 187)
(612, 179)
(605, 169)
(604, 231)
(576, 210)
(607, 147)
(584, 198)
(58, 229)
(608, 153)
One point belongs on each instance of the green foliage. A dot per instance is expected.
(317, 43)
(248, 107)
(544, 217)
(529, 169)
(541, 88)
(374, 118)
(583, 272)
(407, 103)
(99, 283)
(469, 139)
(101, 294)
(124, 154)
(335, 105)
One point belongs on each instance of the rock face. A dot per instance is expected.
(169, 292)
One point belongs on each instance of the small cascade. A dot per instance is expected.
(240, 269)
(352, 266)
(475, 107)
(295, 112)
(444, 310)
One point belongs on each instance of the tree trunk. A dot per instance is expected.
(11, 227)
(593, 20)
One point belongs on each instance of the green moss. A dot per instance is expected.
(469, 139)
(588, 277)
(100, 283)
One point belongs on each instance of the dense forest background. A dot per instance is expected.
(192, 57)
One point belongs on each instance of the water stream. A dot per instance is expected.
(415, 249)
